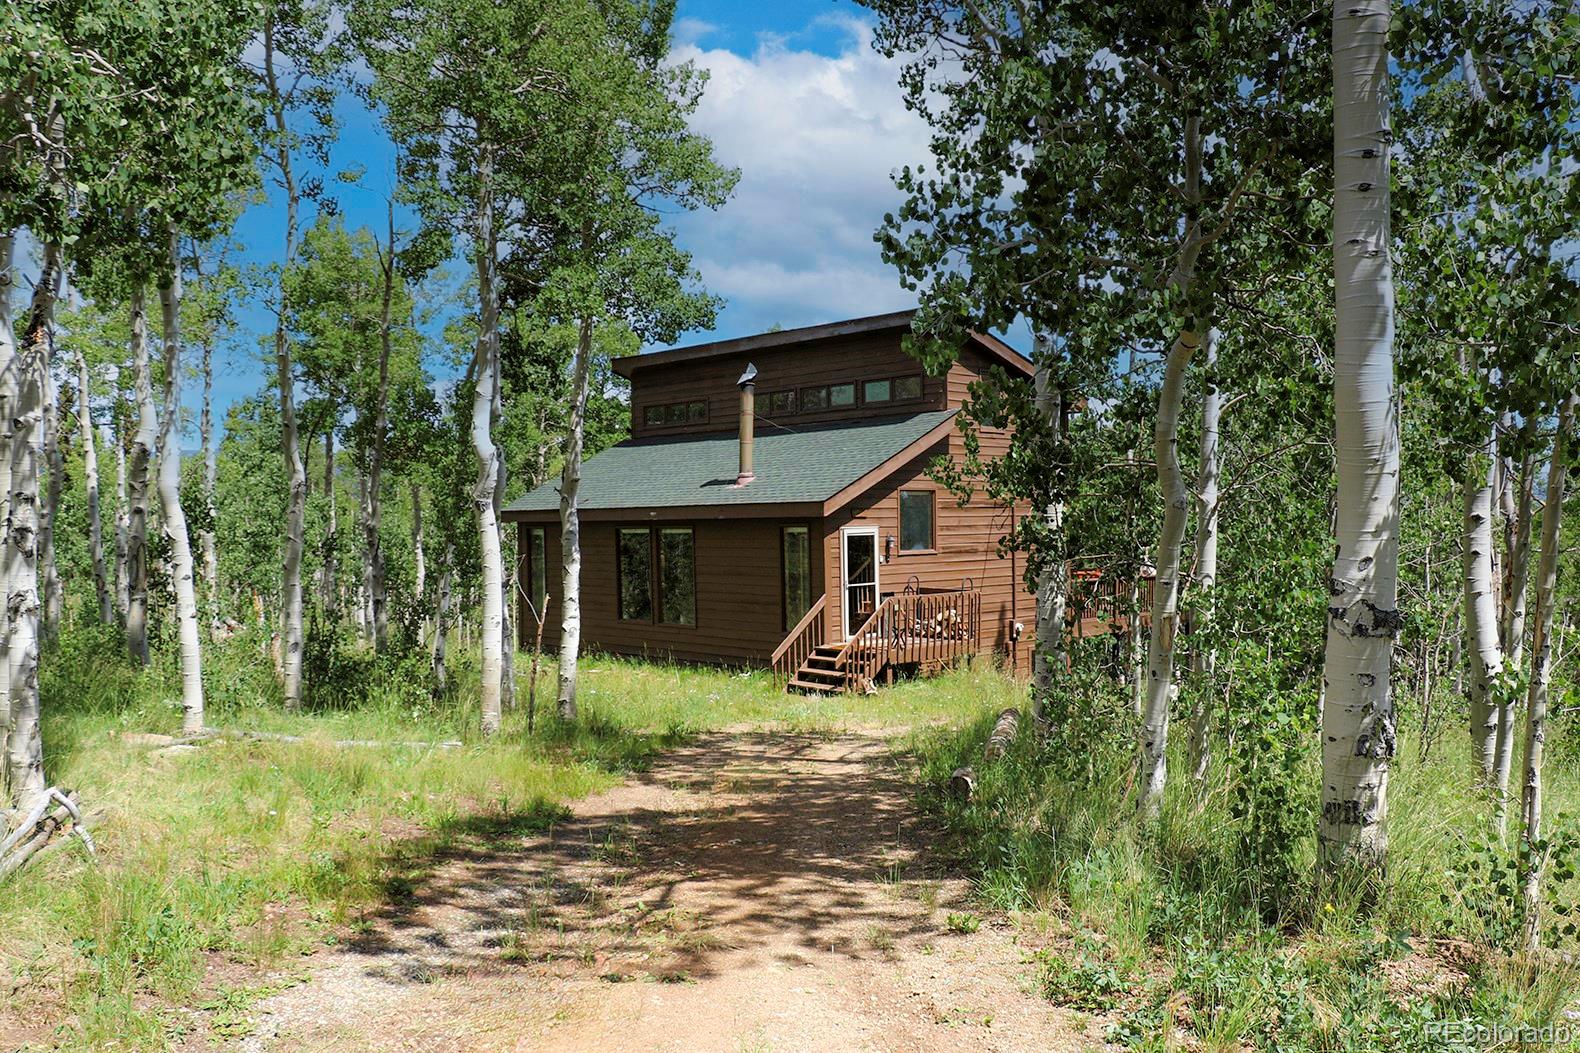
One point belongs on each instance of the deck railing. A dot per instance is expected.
(1098, 600)
(799, 641)
(913, 628)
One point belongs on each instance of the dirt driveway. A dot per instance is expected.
(753, 892)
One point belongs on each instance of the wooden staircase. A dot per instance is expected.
(922, 629)
(821, 672)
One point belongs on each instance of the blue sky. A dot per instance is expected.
(797, 100)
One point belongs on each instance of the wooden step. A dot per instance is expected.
(815, 688)
(821, 661)
(807, 672)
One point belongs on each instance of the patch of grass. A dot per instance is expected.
(251, 852)
(963, 922)
(1196, 949)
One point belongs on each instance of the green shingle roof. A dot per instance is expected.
(809, 464)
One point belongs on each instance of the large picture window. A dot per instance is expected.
(677, 576)
(916, 520)
(797, 552)
(662, 589)
(636, 575)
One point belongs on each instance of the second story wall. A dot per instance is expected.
(852, 377)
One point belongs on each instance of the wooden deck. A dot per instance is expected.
(930, 629)
(925, 629)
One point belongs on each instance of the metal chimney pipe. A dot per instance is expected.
(748, 386)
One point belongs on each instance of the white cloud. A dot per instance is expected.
(817, 138)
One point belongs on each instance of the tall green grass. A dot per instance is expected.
(1171, 932)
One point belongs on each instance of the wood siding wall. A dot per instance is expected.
(739, 592)
(966, 549)
(845, 360)
(740, 616)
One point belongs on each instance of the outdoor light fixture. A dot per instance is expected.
(888, 548)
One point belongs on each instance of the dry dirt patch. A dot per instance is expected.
(753, 892)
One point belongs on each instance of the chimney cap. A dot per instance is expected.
(747, 377)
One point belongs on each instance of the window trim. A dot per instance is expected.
(655, 574)
(668, 407)
(865, 401)
(932, 522)
(793, 394)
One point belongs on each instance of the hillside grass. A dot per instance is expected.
(1176, 936)
(233, 857)
(221, 864)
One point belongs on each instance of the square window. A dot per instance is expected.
(908, 388)
(697, 412)
(655, 416)
(814, 399)
(877, 391)
(842, 395)
(916, 520)
(781, 401)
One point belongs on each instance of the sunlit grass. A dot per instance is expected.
(250, 851)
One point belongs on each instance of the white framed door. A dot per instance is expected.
(858, 575)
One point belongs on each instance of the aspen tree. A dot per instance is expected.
(1363, 615)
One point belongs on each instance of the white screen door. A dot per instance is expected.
(859, 575)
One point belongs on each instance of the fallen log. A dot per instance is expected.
(272, 736)
(963, 781)
(160, 743)
(1005, 729)
(39, 826)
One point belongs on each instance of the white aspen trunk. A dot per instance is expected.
(375, 513)
(295, 471)
(123, 529)
(364, 575)
(175, 521)
(1481, 621)
(90, 478)
(1517, 565)
(8, 396)
(1363, 617)
(507, 622)
(441, 622)
(1541, 677)
(328, 572)
(207, 541)
(24, 746)
(491, 687)
(1204, 659)
(141, 460)
(55, 465)
(1166, 583)
(1048, 660)
(570, 527)
(419, 557)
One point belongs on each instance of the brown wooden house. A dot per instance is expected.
(773, 507)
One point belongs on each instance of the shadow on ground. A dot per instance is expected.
(731, 850)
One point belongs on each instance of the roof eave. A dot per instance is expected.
(673, 513)
(762, 341)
